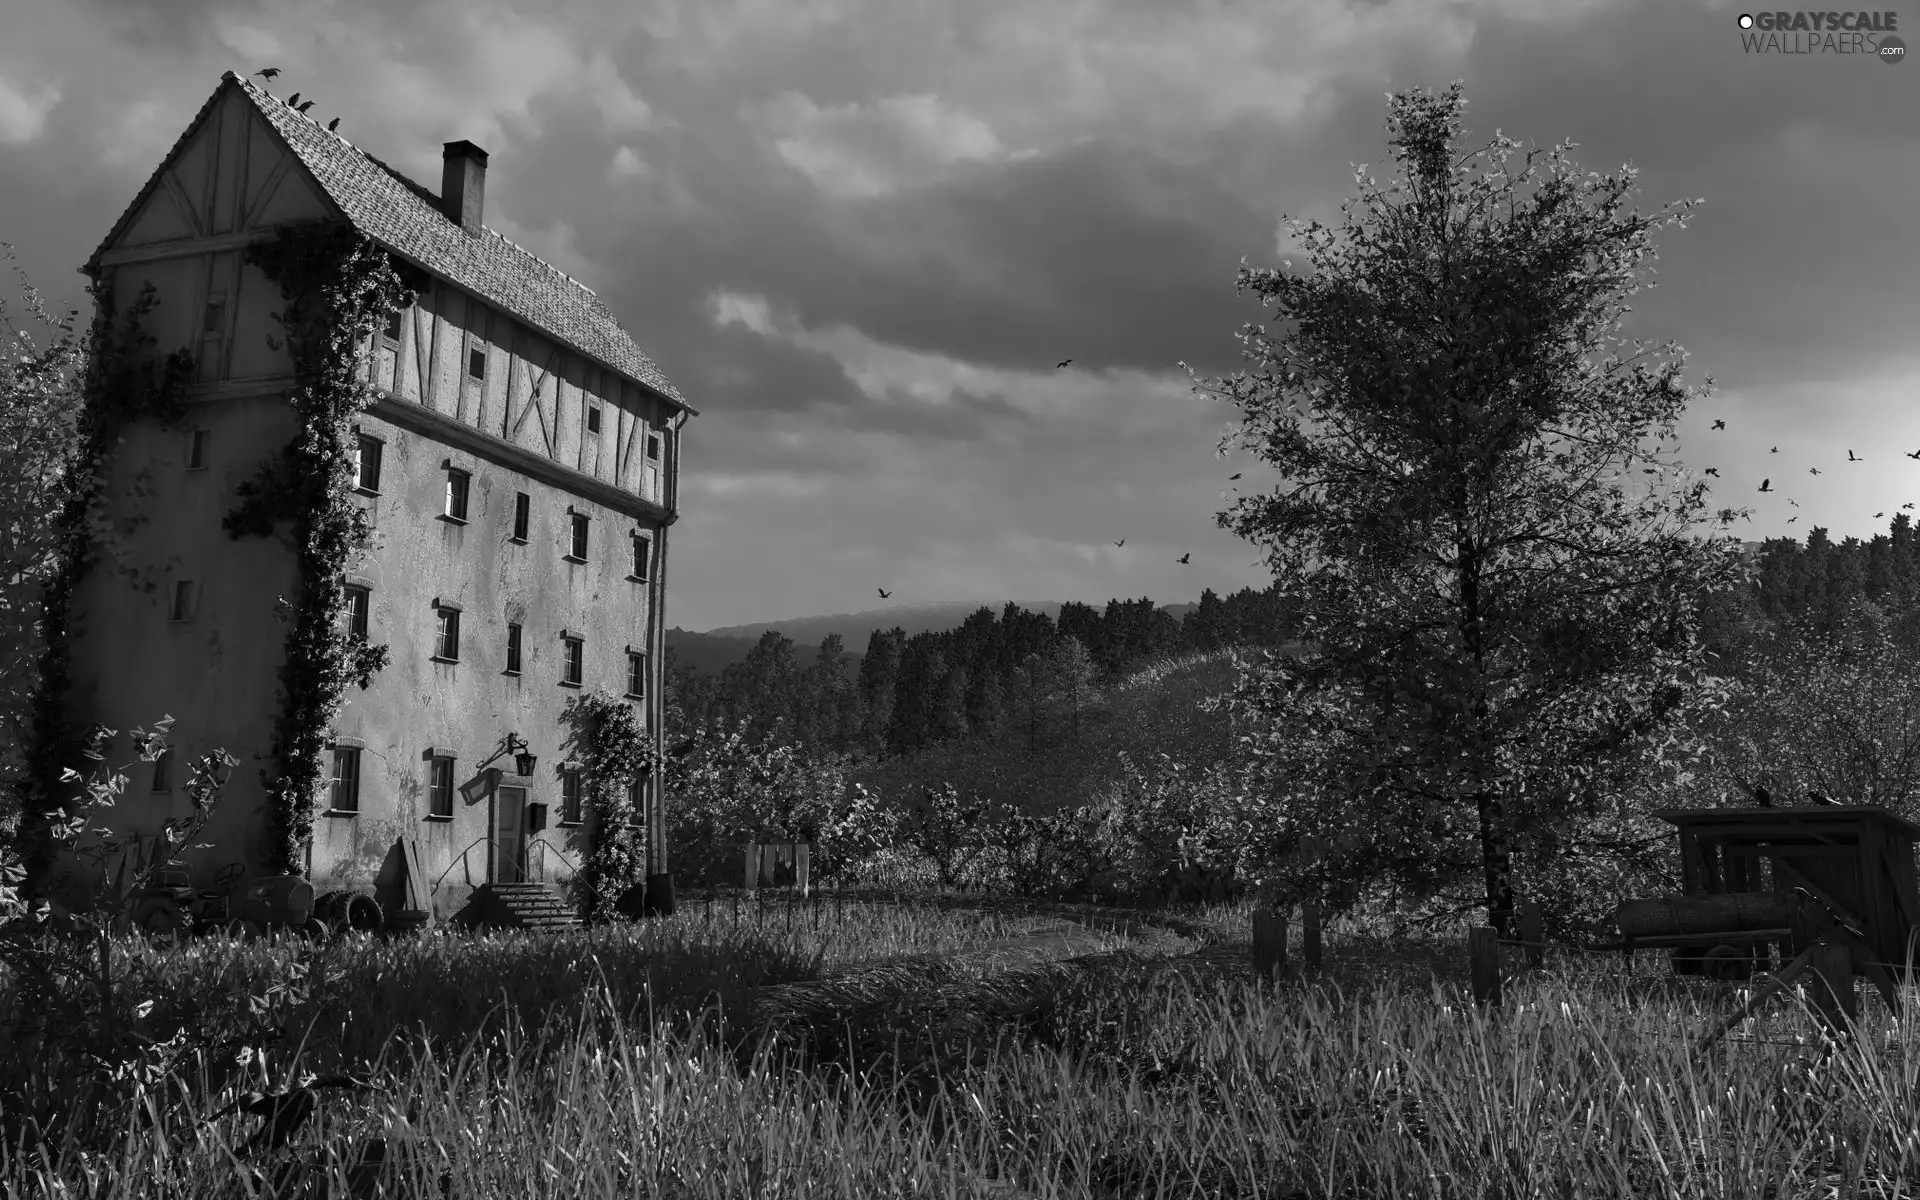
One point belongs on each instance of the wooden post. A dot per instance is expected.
(1533, 934)
(1270, 941)
(1310, 933)
(1483, 954)
(1833, 991)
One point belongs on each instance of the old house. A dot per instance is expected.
(519, 468)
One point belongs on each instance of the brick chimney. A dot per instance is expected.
(463, 183)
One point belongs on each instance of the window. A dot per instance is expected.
(457, 481)
(636, 674)
(182, 605)
(653, 445)
(522, 515)
(570, 795)
(440, 787)
(576, 660)
(579, 541)
(477, 364)
(216, 315)
(593, 419)
(447, 646)
(197, 450)
(345, 796)
(366, 475)
(359, 599)
(637, 800)
(161, 767)
(642, 555)
(513, 649)
(392, 330)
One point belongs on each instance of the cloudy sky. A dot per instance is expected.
(858, 234)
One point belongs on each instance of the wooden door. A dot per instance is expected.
(509, 835)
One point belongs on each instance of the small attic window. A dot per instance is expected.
(593, 419)
(477, 363)
(216, 314)
(653, 445)
(392, 331)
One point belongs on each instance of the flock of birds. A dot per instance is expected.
(1766, 484)
(294, 102)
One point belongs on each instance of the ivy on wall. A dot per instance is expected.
(124, 382)
(338, 287)
(614, 750)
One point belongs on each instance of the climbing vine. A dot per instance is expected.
(123, 382)
(614, 750)
(338, 287)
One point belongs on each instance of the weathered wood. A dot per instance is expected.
(1270, 942)
(1483, 955)
(1533, 933)
(1686, 915)
(1833, 993)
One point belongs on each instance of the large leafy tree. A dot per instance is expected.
(1500, 629)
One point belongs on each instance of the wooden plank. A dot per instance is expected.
(1795, 879)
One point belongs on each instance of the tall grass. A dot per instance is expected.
(1116, 1076)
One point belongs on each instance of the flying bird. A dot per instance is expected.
(1851, 458)
(1714, 471)
(1915, 454)
(1817, 798)
(1065, 362)
(268, 73)
(1795, 503)
(1763, 797)
(293, 99)
(1791, 520)
(1235, 475)
(1879, 515)
(884, 593)
(333, 125)
(1907, 505)
(302, 108)
(1813, 470)
(1766, 485)
(1185, 558)
(1719, 424)
(1775, 450)
(1121, 542)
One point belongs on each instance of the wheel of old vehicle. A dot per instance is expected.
(1729, 963)
(331, 907)
(161, 919)
(1688, 960)
(363, 913)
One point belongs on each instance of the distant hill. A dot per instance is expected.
(711, 652)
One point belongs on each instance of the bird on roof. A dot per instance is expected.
(1719, 424)
(333, 125)
(1714, 471)
(1762, 797)
(293, 99)
(302, 108)
(267, 73)
(1766, 485)
(1817, 798)
(884, 593)
(1185, 558)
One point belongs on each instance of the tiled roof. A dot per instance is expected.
(405, 218)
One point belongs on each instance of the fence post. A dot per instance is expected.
(1833, 991)
(1270, 941)
(1483, 955)
(1532, 933)
(1310, 933)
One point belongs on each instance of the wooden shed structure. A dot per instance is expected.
(1855, 859)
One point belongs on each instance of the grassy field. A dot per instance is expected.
(851, 1049)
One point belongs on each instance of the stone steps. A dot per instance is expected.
(521, 906)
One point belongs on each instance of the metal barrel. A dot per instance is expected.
(1727, 912)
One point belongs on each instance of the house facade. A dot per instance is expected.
(519, 469)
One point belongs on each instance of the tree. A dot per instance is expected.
(1497, 625)
(42, 391)
(1073, 672)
